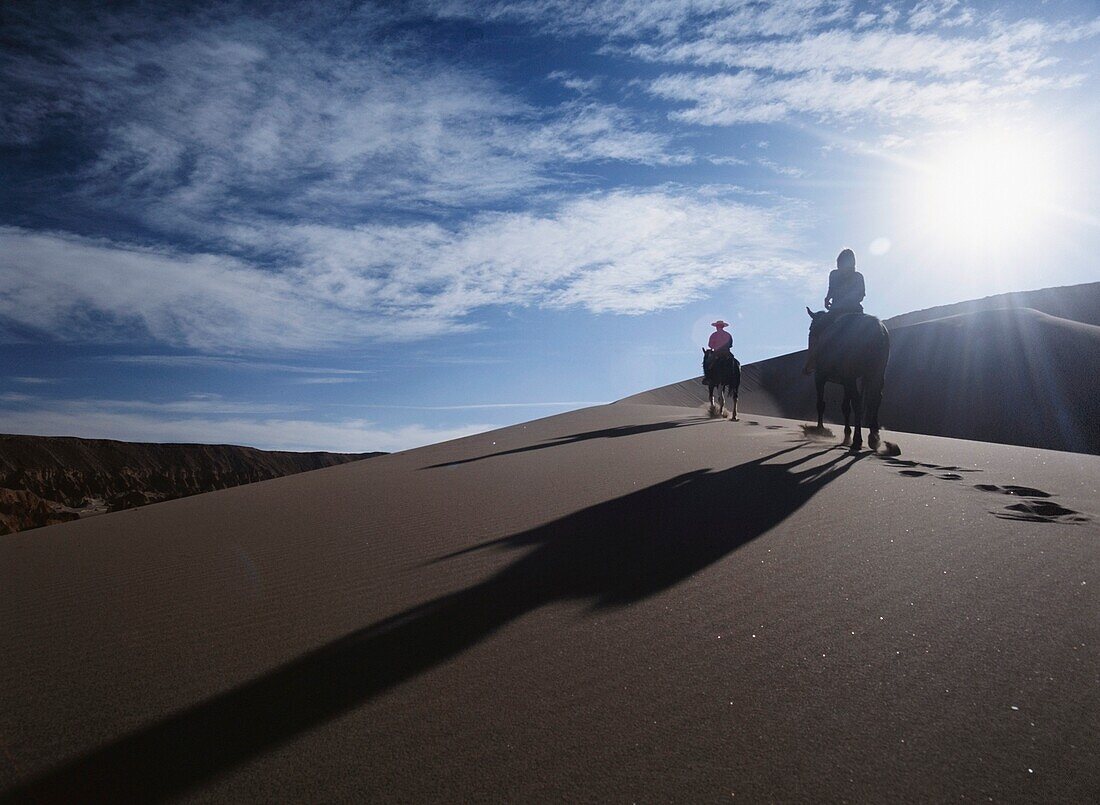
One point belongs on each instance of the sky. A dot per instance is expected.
(355, 226)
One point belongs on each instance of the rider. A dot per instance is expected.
(846, 288)
(845, 294)
(720, 340)
(720, 346)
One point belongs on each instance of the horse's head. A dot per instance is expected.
(817, 321)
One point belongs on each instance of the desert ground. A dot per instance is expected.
(632, 602)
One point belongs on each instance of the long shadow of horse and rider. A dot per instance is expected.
(616, 432)
(611, 554)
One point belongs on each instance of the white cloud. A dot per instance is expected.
(574, 82)
(328, 381)
(194, 404)
(623, 252)
(207, 418)
(726, 99)
(867, 70)
(230, 363)
(633, 19)
(202, 124)
(480, 406)
(782, 170)
(865, 19)
(87, 289)
(927, 12)
(590, 131)
(863, 52)
(343, 436)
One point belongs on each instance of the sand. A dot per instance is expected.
(623, 603)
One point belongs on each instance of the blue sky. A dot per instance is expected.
(370, 227)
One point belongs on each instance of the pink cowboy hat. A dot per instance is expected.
(719, 323)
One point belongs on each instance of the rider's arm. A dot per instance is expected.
(829, 293)
(862, 288)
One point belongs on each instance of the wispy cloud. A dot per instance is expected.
(231, 363)
(195, 404)
(34, 381)
(727, 99)
(663, 19)
(782, 170)
(215, 423)
(478, 406)
(623, 252)
(327, 381)
(209, 121)
(342, 436)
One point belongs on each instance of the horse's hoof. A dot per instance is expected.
(873, 441)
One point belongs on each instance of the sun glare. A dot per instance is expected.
(988, 189)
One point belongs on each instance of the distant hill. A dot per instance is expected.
(53, 479)
(1016, 368)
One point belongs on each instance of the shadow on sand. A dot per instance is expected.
(605, 433)
(611, 554)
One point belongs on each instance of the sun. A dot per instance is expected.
(987, 189)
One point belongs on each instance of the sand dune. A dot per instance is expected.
(1013, 375)
(1079, 303)
(624, 603)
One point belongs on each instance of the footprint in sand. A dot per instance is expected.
(1021, 491)
(1041, 511)
(1032, 511)
(900, 462)
(773, 427)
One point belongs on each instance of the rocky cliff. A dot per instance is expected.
(51, 479)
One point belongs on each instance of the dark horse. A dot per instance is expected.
(722, 371)
(846, 349)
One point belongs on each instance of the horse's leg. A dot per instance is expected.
(736, 387)
(819, 379)
(710, 392)
(852, 388)
(846, 409)
(873, 395)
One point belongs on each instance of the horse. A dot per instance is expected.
(721, 371)
(852, 350)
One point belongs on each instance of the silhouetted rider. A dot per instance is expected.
(846, 287)
(845, 295)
